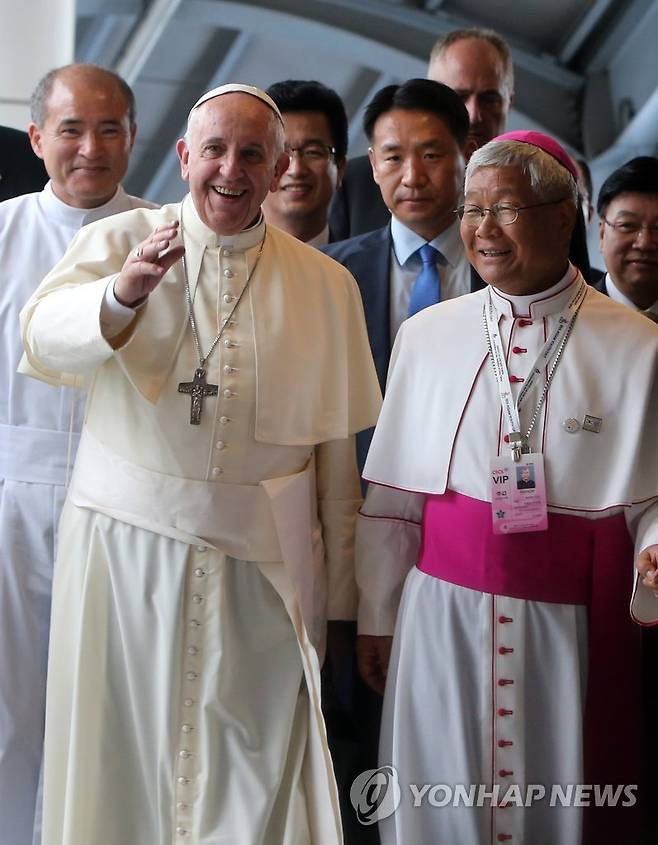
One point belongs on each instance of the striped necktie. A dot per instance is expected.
(427, 287)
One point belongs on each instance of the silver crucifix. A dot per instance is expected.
(198, 390)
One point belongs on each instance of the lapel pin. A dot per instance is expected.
(591, 423)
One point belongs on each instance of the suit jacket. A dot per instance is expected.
(357, 206)
(21, 172)
(368, 258)
(597, 280)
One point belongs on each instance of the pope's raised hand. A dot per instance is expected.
(147, 263)
(647, 565)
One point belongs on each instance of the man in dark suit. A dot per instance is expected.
(418, 133)
(315, 125)
(21, 172)
(477, 64)
(628, 235)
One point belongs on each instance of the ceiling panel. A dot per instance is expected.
(586, 70)
(537, 23)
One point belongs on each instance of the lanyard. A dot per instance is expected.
(547, 360)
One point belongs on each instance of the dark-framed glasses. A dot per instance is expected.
(632, 228)
(503, 212)
(312, 152)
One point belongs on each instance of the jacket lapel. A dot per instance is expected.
(372, 268)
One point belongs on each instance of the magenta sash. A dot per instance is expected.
(576, 561)
(459, 546)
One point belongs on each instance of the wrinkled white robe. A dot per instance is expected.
(39, 429)
(452, 696)
(197, 564)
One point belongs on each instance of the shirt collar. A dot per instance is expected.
(58, 210)
(614, 293)
(240, 242)
(321, 239)
(550, 301)
(406, 242)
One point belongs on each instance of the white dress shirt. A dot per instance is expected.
(321, 239)
(614, 293)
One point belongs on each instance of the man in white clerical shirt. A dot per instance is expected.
(514, 674)
(83, 127)
(315, 126)
(628, 235)
(207, 533)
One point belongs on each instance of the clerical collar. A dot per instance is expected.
(614, 293)
(197, 229)
(66, 214)
(406, 242)
(549, 301)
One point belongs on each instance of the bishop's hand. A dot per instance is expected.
(146, 264)
(647, 565)
(372, 656)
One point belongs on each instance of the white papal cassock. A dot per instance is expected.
(514, 658)
(197, 564)
(39, 429)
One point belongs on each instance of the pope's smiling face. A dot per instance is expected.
(232, 157)
(524, 257)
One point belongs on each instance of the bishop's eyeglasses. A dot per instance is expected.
(312, 152)
(502, 212)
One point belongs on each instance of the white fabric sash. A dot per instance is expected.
(234, 518)
(35, 455)
(274, 521)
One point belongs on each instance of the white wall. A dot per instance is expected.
(35, 36)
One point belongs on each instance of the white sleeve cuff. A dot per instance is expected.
(114, 316)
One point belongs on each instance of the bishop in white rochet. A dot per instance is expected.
(513, 481)
(198, 563)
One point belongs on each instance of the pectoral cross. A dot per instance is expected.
(198, 390)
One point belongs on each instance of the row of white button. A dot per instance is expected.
(186, 754)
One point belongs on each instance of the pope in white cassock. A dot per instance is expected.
(83, 127)
(513, 681)
(208, 528)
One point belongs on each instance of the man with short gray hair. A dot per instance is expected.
(231, 371)
(83, 128)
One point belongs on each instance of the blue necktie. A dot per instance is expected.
(427, 287)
